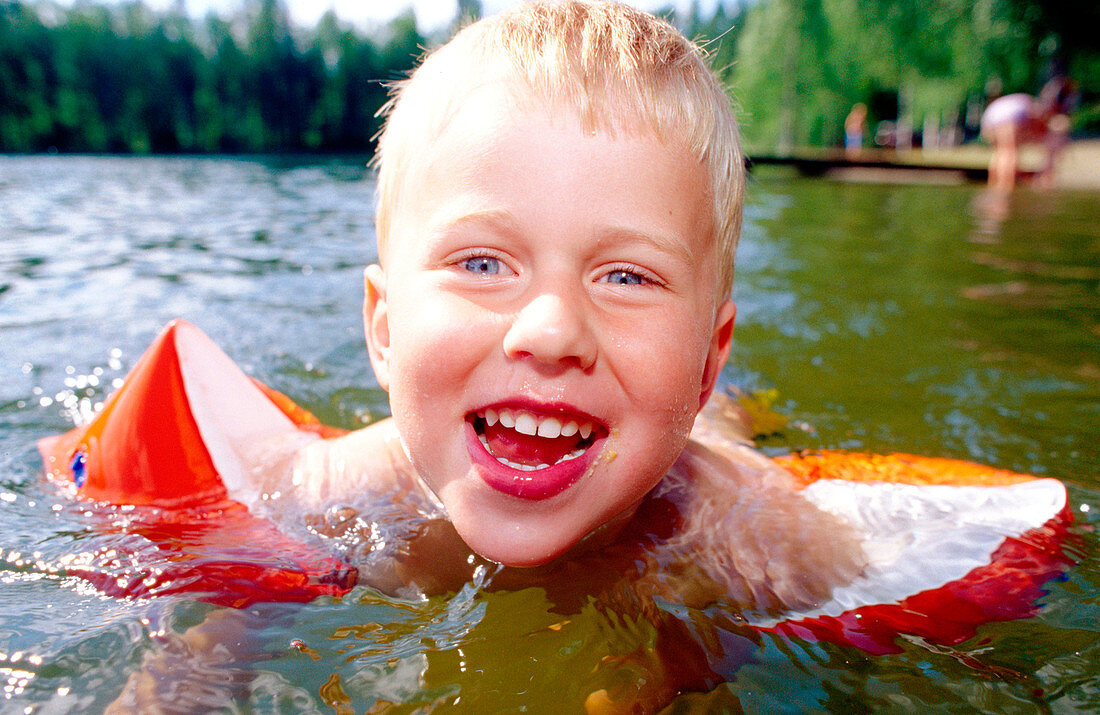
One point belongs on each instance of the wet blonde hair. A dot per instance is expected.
(619, 67)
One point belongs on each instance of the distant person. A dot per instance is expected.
(1016, 119)
(855, 126)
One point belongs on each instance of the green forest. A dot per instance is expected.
(121, 78)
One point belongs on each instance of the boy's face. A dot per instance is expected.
(547, 323)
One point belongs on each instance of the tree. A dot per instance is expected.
(123, 78)
(801, 64)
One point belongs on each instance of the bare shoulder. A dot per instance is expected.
(728, 467)
(755, 533)
(722, 420)
(367, 459)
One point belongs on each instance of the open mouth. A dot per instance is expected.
(523, 440)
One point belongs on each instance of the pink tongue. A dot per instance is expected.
(527, 449)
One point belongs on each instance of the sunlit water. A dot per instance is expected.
(887, 318)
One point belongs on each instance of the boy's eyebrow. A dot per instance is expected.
(461, 215)
(497, 218)
(678, 249)
(502, 220)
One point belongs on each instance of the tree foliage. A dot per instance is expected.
(122, 78)
(801, 64)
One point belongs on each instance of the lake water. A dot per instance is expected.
(885, 318)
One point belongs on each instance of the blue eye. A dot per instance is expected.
(482, 265)
(625, 278)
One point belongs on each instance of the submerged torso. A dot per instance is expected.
(724, 526)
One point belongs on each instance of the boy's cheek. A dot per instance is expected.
(429, 353)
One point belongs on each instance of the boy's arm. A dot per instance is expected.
(369, 459)
(176, 675)
(773, 549)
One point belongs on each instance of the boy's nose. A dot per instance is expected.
(551, 330)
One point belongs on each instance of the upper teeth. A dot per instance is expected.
(530, 424)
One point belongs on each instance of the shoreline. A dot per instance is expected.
(1078, 166)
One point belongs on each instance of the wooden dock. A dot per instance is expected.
(877, 165)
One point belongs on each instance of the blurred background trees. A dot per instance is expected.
(922, 67)
(122, 78)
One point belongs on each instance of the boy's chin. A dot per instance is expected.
(515, 547)
(531, 535)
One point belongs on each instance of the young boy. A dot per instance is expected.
(560, 194)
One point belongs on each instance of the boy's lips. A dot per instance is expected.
(529, 453)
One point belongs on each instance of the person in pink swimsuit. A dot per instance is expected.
(1016, 119)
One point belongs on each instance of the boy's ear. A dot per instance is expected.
(376, 323)
(720, 341)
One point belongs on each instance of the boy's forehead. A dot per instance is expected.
(542, 151)
(459, 139)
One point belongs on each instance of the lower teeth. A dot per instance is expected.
(528, 467)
